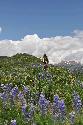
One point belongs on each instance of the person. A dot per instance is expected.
(45, 61)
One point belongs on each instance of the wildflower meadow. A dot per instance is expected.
(29, 95)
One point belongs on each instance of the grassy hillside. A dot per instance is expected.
(27, 70)
(22, 69)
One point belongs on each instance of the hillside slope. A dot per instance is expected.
(24, 69)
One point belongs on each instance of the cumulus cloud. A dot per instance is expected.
(57, 48)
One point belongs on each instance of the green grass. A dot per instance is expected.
(19, 71)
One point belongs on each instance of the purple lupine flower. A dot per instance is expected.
(43, 103)
(13, 122)
(56, 100)
(72, 118)
(55, 104)
(41, 99)
(24, 108)
(22, 99)
(59, 112)
(28, 115)
(14, 91)
(77, 104)
(20, 95)
(7, 87)
(25, 89)
(10, 86)
(62, 110)
(4, 97)
(62, 105)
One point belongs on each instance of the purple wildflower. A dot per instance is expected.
(14, 91)
(56, 100)
(28, 114)
(24, 108)
(3, 96)
(4, 99)
(72, 118)
(20, 95)
(25, 89)
(77, 104)
(7, 87)
(55, 104)
(43, 103)
(62, 105)
(62, 108)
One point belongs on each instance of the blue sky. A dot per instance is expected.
(46, 18)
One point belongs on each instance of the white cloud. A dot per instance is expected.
(57, 48)
(0, 29)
